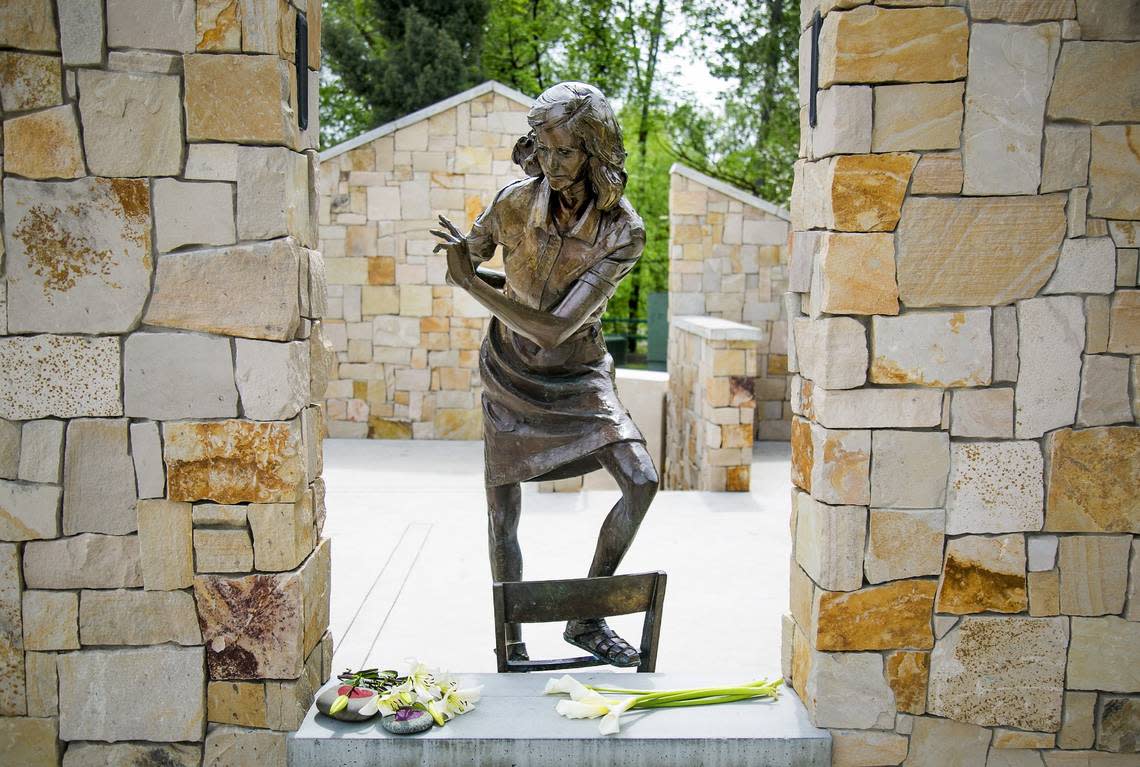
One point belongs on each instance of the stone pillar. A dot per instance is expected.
(712, 371)
(966, 458)
(728, 258)
(164, 585)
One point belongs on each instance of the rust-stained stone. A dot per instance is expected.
(1092, 480)
(234, 461)
(903, 543)
(977, 251)
(867, 191)
(873, 45)
(802, 453)
(218, 25)
(983, 574)
(252, 625)
(12, 687)
(907, 673)
(841, 465)
(238, 98)
(1001, 670)
(1006, 738)
(855, 274)
(28, 24)
(893, 615)
(29, 81)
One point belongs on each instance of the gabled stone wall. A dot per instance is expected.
(164, 586)
(407, 343)
(728, 258)
(966, 458)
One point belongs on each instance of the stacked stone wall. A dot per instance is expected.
(164, 586)
(406, 342)
(966, 458)
(710, 404)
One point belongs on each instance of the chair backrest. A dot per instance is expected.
(546, 601)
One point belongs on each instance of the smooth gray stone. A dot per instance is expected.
(418, 723)
(515, 724)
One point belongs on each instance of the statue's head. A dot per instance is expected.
(574, 133)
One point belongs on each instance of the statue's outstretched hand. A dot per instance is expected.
(460, 271)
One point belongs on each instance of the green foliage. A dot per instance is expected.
(519, 43)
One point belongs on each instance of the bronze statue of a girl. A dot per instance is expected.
(549, 406)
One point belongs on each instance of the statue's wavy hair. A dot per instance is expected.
(589, 117)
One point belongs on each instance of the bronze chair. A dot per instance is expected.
(548, 601)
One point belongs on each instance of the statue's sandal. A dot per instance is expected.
(599, 640)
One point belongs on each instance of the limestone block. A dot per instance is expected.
(1104, 391)
(1094, 573)
(234, 461)
(28, 25)
(848, 690)
(920, 116)
(1021, 10)
(51, 620)
(943, 349)
(178, 375)
(983, 574)
(1113, 172)
(272, 194)
(212, 162)
(30, 81)
(132, 123)
(165, 544)
(1000, 671)
(994, 487)
(78, 254)
(911, 45)
(981, 251)
(13, 689)
(1066, 160)
(840, 465)
(877, 408)
(41, 451)
(236, 703)
(1044, 593)
(909, 469)
(415, 300)
(1106, 20)
(1119, 721)
(1097, 323)
(843, 121)
(115, 678)
(884, 617)
(1005, 344)
(238, 98)
(273, 378)
(1104, 655)
(859, 748)
(146, 451)
(1091, 480)
(1086, 265)
(246, 290)
(223, 551)
(85, 561)
(43, 684)
(907, 674)
(1011, 69)
(937, 173)
(266, 27)
(396, 331)
(804, 247)
(1124, 322)
(316, 579)
(904, 543)
(1042, 551)
(252, 625)
(81, 32)
(1132, 606)
(80, 754)
(1019, 739)
(1082, 70)
(1077, 720)
(283, 533)
(10, 437)
(27, 740)
(44, 145)
(854, 274)
(218, 514)
(230, 746)
(134, 617)
(192, 214)
(28, 512)
(288, 702)
(1051, 337)
(938, 742)
(138, 24)
(866, 191)
(98, 478)
(829, 543)
(832, 352)
(982, 413)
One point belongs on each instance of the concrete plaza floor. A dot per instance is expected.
(410, 576)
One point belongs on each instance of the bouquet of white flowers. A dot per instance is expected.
(421, 689)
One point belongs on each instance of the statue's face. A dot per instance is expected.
(560, 155)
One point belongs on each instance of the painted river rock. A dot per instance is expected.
(356, 700)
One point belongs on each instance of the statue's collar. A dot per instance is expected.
(586, 229)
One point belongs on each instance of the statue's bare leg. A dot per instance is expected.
(632, 468)
(504, 507)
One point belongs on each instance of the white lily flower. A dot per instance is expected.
(423, 682)
(610, 722)
(456, 701)
(569, 685)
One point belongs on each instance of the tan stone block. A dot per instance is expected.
(943, 349)
(51, 620)
(1124, 322)
(1104, 391)
(1078, 91)
(100, 492)
(223, 551)
(166, 544)
(90, 754)
(1005, 343)
(28, 25)
(982, 413)
(866, 748)
(854, 274)
(229, 746)
(88, 560)
(909, 469)
(1118, 718)
(134, 617)
(907, 674)
(236, 703)
(840, 465)
(44, 145)
(832, 352)
(1044, 593)
(866, 191)
(979, 251)
(1104, 655)
(983, 574)
(904, 543)
(1077, 729)
(382, 270)
(287, 702)
(238, 98)
(921, 116)
(875, 408)
(137, 24)
(218, 26)
(829, 543)
(29, 81)
(42, 684)
(1078, 497)
(316, 580)
(1066, 157)
(939, 173)
(1021, 10)
(1094, 573)
(1006, 738)
(132, 124)
(28, 512)
(848, 690)
(30, 741)
(911, 45)
(889, 616)
(283, 533)
(415, 300)
(1114, 171)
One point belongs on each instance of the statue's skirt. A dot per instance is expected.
(547, 413)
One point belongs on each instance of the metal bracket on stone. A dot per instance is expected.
(302, 62)
(816, 26)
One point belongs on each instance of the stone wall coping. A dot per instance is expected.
(490, 86)
(724, 188)
(717, 329)
(634, 374)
